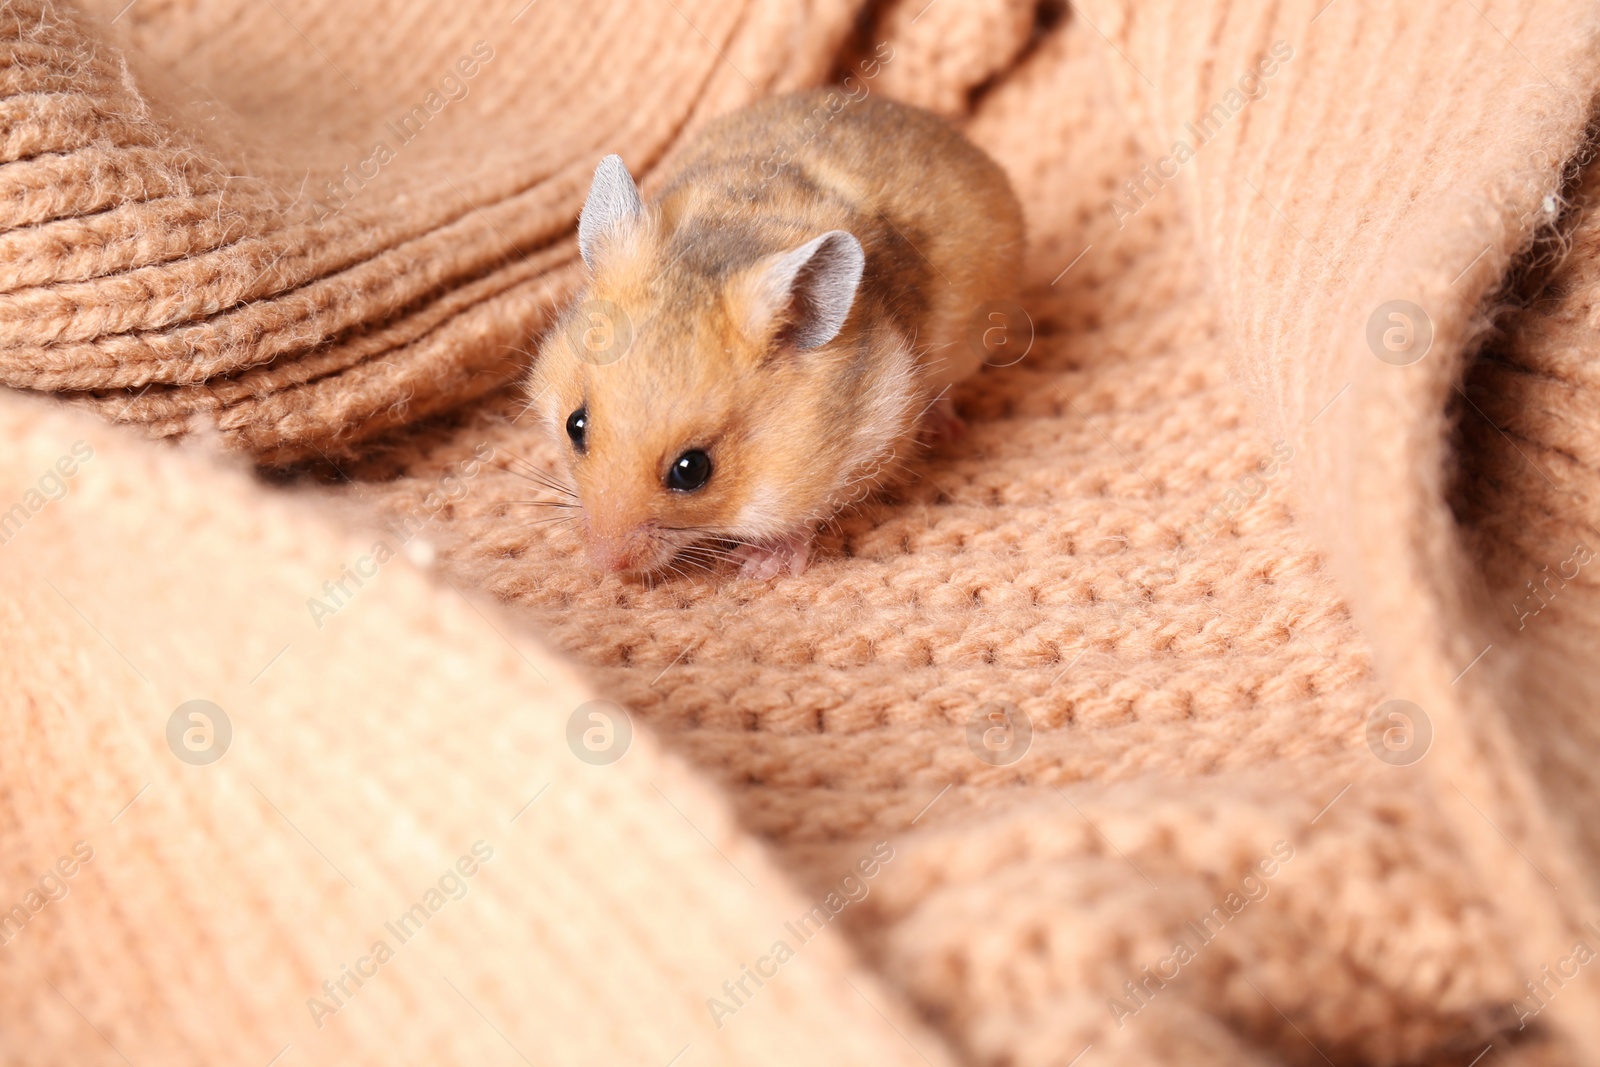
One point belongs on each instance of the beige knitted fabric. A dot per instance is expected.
(1126, 549)
(155, 195)
(367, 757)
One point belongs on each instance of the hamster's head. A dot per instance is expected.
(706, 395)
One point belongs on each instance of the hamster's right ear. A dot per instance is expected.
(806, 293)
(613, 208)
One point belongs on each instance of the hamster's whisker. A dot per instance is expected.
(676, 570)
(529, 466)
(514, 458)
(548, 483)
(529, 472)
(707, 537)
(551, 519)
(709, 553)
(695, 559)
(668, 564)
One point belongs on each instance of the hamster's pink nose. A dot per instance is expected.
(607, 554)
(619, 550)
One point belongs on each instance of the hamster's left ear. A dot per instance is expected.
(806, 292)
(613, 207)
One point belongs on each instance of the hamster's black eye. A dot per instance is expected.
(689, 471)
(577, 428)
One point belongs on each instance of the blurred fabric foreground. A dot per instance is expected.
(1224, 696)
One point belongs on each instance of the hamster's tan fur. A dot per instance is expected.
(702, 321)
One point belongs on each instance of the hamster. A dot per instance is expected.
(763, 344)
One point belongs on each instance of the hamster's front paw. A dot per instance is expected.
(766, 562)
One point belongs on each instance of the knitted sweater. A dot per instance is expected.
(1221, 697)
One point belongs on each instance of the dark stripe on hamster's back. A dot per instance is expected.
(715, 245)
(715, 249)
(897, 276)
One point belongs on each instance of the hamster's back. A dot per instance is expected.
(936, 216)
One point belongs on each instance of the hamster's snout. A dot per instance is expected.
(622, 548)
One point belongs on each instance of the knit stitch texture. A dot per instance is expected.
(1197, 543)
